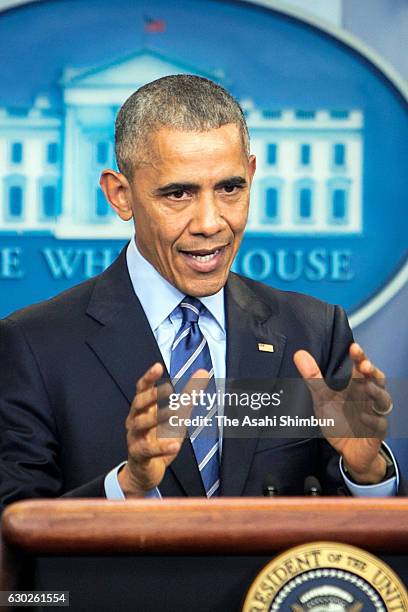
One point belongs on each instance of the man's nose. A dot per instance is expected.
(207, 219)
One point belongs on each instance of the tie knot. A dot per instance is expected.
(191, 309)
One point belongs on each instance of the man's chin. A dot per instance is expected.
(202, 287)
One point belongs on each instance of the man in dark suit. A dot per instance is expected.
(70, 365)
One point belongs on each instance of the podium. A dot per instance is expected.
(181, 554)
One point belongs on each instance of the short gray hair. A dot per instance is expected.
(183, 102)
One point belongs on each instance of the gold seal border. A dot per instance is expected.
(334, 555)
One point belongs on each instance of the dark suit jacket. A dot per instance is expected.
(68, 373)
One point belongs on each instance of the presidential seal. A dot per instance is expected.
(326, 577)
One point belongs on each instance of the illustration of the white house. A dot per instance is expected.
(309, 162)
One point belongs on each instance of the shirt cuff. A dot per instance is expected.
(113, 489)
(388, 488)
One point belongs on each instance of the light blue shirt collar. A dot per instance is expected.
(158, 297)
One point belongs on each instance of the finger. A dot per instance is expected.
(143, 401)
(152, 396)
(146, 421)
(182, 406)
(307, 366)
(310, 371)
(150, 377)
(364, 365)
(163, 394)
(368, 369)
(153, 427)
(158, 437)
(198, 380)
(358, 356)
(146, 390)
(377, 425)
(356, 352)
(381, 397)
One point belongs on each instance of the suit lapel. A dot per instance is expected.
(124, 342)
(125, 345)
(250, 321)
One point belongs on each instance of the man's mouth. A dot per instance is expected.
(202, 256)
(204, 260)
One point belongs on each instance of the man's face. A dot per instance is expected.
(190, 205)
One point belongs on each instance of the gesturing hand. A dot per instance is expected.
(360, 407)
(148, 454)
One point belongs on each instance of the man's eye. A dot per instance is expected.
(177, 195)
(231, 188)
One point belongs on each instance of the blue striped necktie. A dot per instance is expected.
(190, 353)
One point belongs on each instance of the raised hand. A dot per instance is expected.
(360, 412)
(149, 454)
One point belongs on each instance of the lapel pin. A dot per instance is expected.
(265, 348)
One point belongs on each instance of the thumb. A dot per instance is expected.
(306, 365)
(310, 371)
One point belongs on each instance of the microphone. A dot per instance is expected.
(269, 489)
(312, 487)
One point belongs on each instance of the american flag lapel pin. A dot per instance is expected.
(265, 348)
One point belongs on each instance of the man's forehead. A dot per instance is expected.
(170, 143)
(172, 155)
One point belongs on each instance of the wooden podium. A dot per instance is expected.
(181, 554)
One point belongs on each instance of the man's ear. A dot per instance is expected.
(116, 188)
(252, 166)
